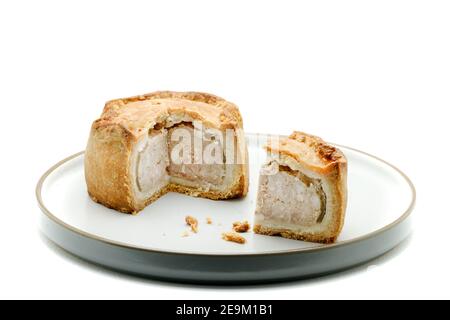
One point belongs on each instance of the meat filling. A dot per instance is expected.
(170, 153)
(188, 164)
(289, 196)
(152, 160)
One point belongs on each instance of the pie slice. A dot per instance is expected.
(302, 190)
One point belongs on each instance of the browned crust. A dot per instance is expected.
(289, 234)
(338, 182)
(325, 151)
(229, 110)
(130, 209)
(113, 136)
(325, 156)
(106, 168)
(138, 114)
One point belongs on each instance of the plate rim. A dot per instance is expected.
(398, 221)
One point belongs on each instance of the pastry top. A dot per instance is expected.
(309, 151)
(139, 114)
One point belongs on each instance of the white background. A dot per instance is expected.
(374, 75)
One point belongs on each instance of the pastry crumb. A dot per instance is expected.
(241, 227)
(185, 234)
(233, 237)
(208, 220)
(193, 223)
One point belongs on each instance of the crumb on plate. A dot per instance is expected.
(233, 237)
(239, 226)
(208, 220)
(193, 223)
(185, 234)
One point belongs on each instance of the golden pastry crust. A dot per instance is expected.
(289, 234)
(138, 114)
(124, 121)
(328, 164)
(310, 151)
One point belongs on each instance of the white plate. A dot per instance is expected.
(380, 200)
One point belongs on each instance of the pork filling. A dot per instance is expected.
(152, 161)
(291, 197)
(186, 163)
(170, 154)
